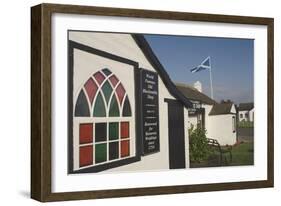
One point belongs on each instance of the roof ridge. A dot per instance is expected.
(221, 108)
(180, 84)
(186, 85)
(247, 103)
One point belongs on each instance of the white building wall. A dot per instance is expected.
(192, 120)
(123, 45)
(186, 139)
(233, 110)
(252, 115)
(119, 44)
(243, 118)
(220, 127)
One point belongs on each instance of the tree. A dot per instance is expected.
(226, 101)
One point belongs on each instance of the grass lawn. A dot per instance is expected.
(242, 154)
(246, 124)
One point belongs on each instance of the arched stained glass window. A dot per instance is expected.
(105, 119)
(106, 71)
(120, 92)
(99, 108)
(114, 109)
(126, 108)
(107, 90)
(114, 80)
(82, 107)
(99, 77)
(91, 89)
(106, 94)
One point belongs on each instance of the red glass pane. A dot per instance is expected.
(99, 77)
(125, 148)
(86, 156)
(91, 89)
(120, 92)
(114, 80)
(124, 129)
(86, 133)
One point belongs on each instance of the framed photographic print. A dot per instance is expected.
(132, 102)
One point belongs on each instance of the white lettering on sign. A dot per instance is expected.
(149, 92)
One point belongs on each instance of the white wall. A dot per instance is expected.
(123, 45)
(233, 109)
(249, 113)
(15, 110)
(252, 115)
(192, 120)
(186, 140)
(243, 113)
(220, 127)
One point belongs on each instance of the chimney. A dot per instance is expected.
(198, 86)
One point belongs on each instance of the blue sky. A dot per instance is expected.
(232, 63)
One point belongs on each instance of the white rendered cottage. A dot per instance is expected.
(125, 114)
(246, 112)
(219, 119)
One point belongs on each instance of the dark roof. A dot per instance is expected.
(153, 60)
(245, 106)
(193, 94)
(222, 108)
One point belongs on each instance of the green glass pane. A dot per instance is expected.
(127, 108)
(99, 109)
(82, 107)
(107, 90)
(100, 153)
(113, 130)
(114, 109)
(106, 71)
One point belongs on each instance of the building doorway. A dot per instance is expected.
(176, 134)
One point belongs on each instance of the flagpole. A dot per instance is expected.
(211, 82)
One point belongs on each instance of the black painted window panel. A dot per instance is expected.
(100, 132)
(113, 150)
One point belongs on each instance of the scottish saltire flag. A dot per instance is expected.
(204, 65)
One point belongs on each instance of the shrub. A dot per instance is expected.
(198, 144)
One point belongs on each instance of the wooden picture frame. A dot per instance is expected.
(41, 98)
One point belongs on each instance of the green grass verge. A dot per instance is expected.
(242, 154)
(245, 124)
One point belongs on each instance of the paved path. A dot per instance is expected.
(245, 134)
